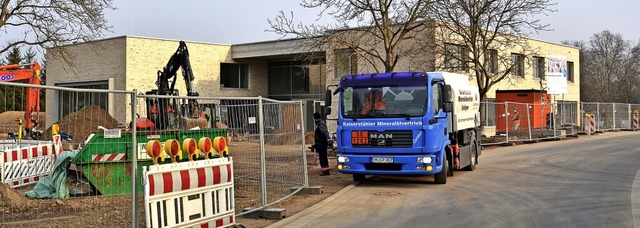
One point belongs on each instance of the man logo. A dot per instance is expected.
(382, 142)
(380, 136)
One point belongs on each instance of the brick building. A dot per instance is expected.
(270, 69)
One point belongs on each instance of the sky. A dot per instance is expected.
(245, 21)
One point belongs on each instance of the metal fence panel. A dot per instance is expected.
(95, 167)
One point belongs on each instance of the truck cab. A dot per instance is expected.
(400, 124)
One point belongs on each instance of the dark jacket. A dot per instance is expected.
(321, 134)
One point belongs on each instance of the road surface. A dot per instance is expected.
(584, 182)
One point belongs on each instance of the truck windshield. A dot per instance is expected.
(399, 101)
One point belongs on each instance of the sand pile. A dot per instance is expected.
(82, 123)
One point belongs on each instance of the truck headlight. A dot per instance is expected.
(425, 160)
(343, 159)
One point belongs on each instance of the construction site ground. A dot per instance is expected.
(115, 211)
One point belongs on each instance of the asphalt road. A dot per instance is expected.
(584, 182)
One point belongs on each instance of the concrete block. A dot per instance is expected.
(312, 190)
(269, 213)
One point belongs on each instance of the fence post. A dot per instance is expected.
(304, 149)
(506, 119)
(597, 115)
(134, 163)
(553, 117)
(613, 111)
(263, 160)
(581, 115)
(529, 106)
(629, 116)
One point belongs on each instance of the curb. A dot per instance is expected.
(300, 219)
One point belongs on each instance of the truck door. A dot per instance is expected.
(439, 122)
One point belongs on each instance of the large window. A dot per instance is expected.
(517, 68)
(538, 67)
(346, 62)
(234, 75)
(570, 76)
(384, 102)
(491, 61)
(74, 101)
(455, 57)
(287, 78)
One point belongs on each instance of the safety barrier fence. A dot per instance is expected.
(516, 122)
(194, 193)
(104, 134)
(103, 184)
(611, 116)
(22, 163)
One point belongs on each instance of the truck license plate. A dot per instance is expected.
(382, 160)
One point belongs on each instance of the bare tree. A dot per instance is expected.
(480, 27)
(46, 24)
(481, 31)
(587, 81)
(373, 30)
(629, 85)
(607, 55)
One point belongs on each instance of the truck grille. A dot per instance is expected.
(385, 139)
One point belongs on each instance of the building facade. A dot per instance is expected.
(277, 69)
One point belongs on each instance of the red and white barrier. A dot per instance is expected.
(635, 122)
(23, 165)
(107, 157)
(194, 193)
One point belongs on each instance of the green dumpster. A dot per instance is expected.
(106, 162)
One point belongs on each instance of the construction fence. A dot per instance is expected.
(507, 122)
(94, 171)
(116, 158)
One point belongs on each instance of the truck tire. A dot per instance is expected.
(441, 177)
(358, 178)
(474, 159)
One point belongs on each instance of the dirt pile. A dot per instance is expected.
(9, 122)
(82, 123)
(10, 198)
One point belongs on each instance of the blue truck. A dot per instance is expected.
(406, 123)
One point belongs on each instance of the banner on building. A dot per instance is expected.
(556, 74)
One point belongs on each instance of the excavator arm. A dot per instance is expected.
(180, 59)
(31, 74)
(165, 82)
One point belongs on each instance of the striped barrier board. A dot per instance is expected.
(108, 157)
(26, 164)
(194, 193)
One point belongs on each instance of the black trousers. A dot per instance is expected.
(321, 148)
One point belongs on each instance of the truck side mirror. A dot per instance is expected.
(327, 97)
(327, 111)
(448, 96)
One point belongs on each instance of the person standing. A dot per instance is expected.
(321, 140)
(516, 120)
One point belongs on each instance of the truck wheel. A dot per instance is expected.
(474, 159)
(441, 177)
(358, 178)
